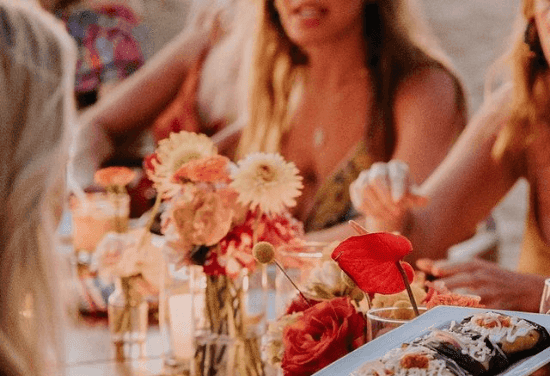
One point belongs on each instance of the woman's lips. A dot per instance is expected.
(310, 15)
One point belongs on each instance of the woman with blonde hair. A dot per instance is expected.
(506, 140)
(339, 85)
(36, 85)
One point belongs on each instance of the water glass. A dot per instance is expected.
(298, 262)
(94, 217)
(383, 320)
(545, 299)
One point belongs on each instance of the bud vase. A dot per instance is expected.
(230, 318)
(128, 318)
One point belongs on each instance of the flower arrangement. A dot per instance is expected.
(318, 327)
(326, 321)
(216, 211)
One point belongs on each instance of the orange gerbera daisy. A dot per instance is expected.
(209, 169)
(114, 176)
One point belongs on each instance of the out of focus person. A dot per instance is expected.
(507, 139)
(196, 83)
(339, 85)
(110, 36)
(37, 59)
(328, 91)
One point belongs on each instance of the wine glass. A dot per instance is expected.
(545, 299)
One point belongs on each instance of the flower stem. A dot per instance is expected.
(292, 282)
(256, 227)
(148, 225)
(408, 287)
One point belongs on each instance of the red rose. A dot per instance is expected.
(326, 332)
(298, 304)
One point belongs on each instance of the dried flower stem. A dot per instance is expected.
(225, 314)
(292, 282)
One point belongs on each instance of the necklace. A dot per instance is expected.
(318, 137)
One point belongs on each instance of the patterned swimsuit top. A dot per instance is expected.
(332, 202)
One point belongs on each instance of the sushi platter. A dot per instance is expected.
(423, 327)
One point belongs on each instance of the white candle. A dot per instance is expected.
(181, 325)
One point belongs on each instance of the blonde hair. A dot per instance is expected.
(38, 60)
(397, 45)
(531, 96)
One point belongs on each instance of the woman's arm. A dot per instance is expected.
(467, 185)
(136, 102)
(133, 105)
(462, 191)
(427, 121)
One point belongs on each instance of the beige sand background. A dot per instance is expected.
(473, 33)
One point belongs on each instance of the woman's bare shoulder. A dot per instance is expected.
(433, 83)
(430, 100)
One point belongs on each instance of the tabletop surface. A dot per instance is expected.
(89, 352)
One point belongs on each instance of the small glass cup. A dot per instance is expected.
(545, 299)
(101, 213)
(383, 320)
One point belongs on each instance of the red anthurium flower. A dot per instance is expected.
(371, 261)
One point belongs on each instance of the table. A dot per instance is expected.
(89, 352)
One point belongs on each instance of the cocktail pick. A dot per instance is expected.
(374, 262)
(360, 230)
(264, 253)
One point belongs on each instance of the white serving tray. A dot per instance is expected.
(436, 317)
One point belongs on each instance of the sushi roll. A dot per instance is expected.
(471, 351)
(518, 338)
(411, 360)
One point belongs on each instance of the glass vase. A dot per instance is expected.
(95, 216)
(230, 319)
(128, 318)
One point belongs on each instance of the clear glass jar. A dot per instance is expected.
(298, 261)
(128, 317)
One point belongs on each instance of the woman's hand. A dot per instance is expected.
(498, 288)
(384, 194)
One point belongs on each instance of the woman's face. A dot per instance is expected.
(542, 20)
(308, 22)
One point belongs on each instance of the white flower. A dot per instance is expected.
(173, 152)
(267, 181)
(326, 282)
(272, 342)
(118, 255)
